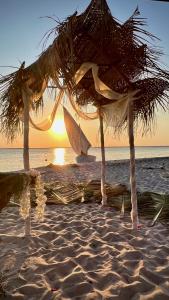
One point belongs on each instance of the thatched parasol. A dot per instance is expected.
(94, 36)
(125, 64)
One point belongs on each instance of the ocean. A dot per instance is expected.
(11, 159)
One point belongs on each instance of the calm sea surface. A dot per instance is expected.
(11, 159)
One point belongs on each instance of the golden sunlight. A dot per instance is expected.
(58, 128)
(59, 156)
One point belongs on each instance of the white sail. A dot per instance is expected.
(77, 139)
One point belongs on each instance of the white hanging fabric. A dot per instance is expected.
(80, 113)
(100, 86)
(113, 114)
(77, 139)
(47, 123)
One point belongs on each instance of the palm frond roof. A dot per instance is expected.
(122, 52)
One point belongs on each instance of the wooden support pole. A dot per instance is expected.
(26, 101)
(103, 163)
(134, 211)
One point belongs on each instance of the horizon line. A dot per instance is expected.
(91, 147)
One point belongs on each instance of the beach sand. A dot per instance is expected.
(84, 251)
(152, 173)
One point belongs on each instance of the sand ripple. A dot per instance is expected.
(83, 252)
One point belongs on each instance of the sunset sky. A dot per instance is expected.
(23, 25)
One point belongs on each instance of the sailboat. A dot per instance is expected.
(77, 139)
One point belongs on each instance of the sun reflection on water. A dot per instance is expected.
(59, 156)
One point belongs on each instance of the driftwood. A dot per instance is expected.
(92, 190)
(65, 193)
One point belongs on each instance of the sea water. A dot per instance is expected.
(12, 159)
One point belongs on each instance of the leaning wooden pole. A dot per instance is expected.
(26, 101)
(134, 211)
(103, 163)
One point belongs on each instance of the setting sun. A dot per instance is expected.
(58, 127)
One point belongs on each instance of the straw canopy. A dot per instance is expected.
(11, 101)
(120, 51)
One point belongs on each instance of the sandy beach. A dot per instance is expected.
(84, 251)
(89, 82)
(152, 173)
